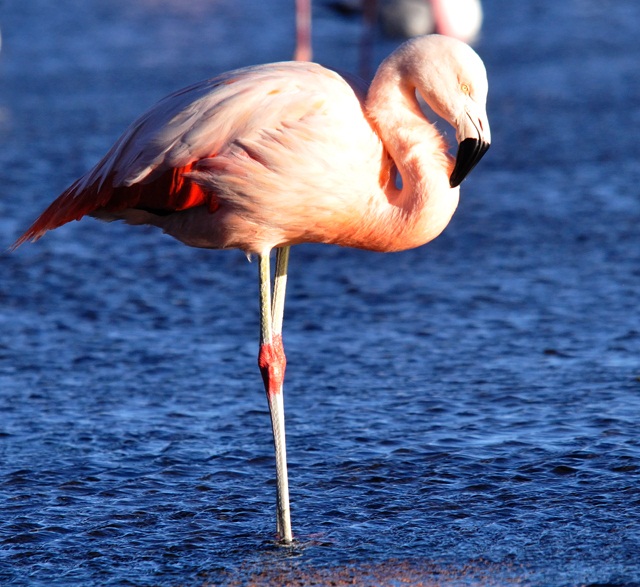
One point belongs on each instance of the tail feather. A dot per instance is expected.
(170, 191)
(72, 204)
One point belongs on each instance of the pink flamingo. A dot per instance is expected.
(461, 19)
(275, 155)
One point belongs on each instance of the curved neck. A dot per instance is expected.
(423, 207)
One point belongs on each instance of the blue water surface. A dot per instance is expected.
(462, 414)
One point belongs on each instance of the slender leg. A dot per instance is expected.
(303, 30)
(272, 362)
(279, 289)
(370, 15)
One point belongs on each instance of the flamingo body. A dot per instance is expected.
(237, 162)
(461, 19)
(269, 156)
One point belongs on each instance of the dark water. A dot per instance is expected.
(465, 413)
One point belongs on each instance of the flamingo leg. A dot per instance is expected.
(370, 16)
(303, 30)
(272, 362)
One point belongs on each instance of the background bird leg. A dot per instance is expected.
(303, 30)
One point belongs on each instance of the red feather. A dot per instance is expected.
(168, 192)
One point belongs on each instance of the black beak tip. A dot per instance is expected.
(470, 151)
(455, 180)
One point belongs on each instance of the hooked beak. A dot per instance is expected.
(474, 141)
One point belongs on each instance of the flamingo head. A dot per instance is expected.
(452, 80)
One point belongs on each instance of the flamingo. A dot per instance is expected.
(274, 155)
(461, 19)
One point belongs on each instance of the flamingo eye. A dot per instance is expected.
(465, 88)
